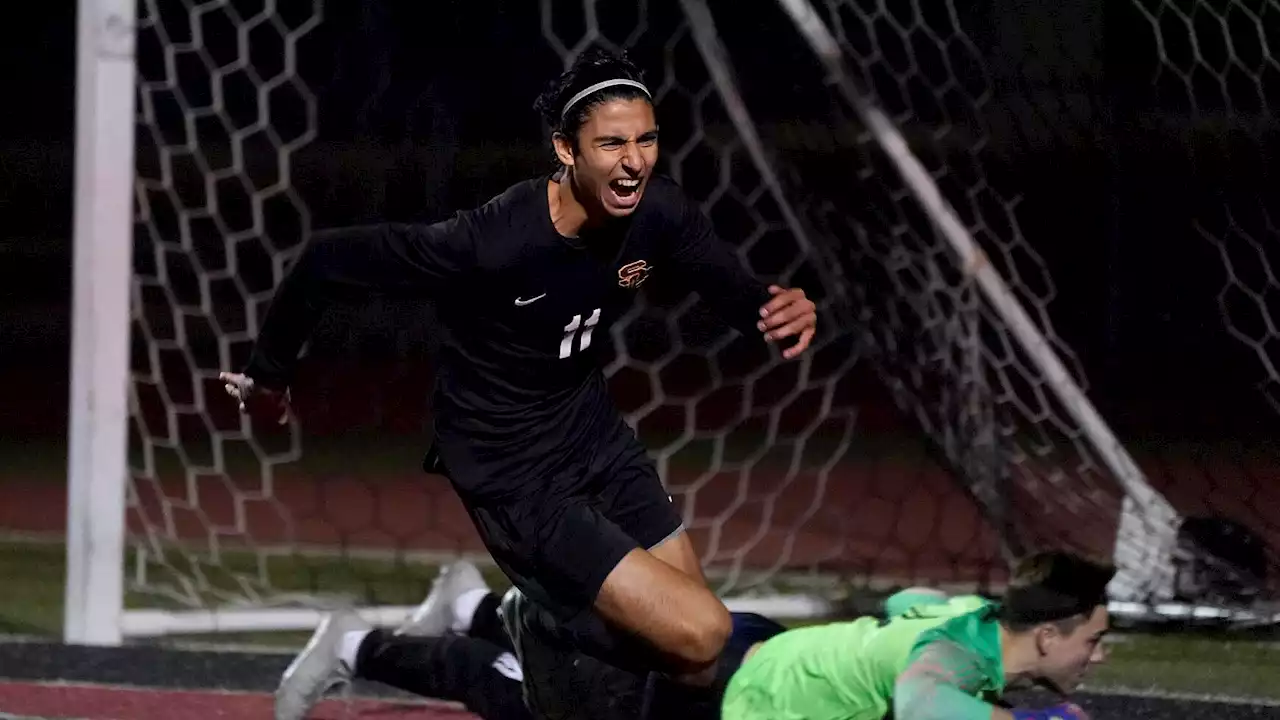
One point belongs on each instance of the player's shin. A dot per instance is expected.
(486, 624)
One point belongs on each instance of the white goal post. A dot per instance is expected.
(97, 468)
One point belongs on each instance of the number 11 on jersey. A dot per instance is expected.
(571, 331)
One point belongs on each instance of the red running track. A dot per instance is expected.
(896, 515)
(97, 702)
(880, 517)
(889, 517)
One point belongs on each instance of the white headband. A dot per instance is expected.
(601, 86)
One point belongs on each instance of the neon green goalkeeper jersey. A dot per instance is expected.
(847, 671)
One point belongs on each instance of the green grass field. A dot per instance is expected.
(1203, 664)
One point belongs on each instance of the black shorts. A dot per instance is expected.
(559, 542)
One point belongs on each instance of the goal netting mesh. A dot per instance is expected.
(921, 441)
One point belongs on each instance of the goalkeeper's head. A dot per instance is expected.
(1054, 616)
(603, 131)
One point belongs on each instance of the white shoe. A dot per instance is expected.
(435, 616)
(318, 668)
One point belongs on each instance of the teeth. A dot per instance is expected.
(629, 183)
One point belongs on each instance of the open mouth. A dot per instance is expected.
(625, 191)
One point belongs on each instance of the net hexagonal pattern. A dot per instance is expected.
(760, 454)
(221, 110)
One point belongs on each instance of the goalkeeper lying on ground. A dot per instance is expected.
(454, 648)
(939, 660)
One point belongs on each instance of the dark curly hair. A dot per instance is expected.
(594, 65)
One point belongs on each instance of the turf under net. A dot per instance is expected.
(962, 455)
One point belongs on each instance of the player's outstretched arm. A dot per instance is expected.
(940, 683)
(711, 267)
(345, 263)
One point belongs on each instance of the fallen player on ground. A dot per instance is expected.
(455, 648)
(931, 653)
(945, 660)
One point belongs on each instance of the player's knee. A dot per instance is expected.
(707, 629)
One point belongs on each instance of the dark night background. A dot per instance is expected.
(1135, 165)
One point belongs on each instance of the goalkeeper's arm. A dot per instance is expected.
(940, 682)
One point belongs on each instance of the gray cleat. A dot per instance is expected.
(317, 669)
(434, 617)
(546, 664)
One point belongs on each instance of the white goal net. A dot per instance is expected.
(877, 154)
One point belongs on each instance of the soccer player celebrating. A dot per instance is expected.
(941, 660)
(558, 486)
(454, 647)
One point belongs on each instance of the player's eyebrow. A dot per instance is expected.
(649, 135)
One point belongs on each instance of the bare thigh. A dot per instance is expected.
(662, 596)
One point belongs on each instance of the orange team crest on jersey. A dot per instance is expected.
(632, 275)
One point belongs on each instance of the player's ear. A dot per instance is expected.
(1047, 635)
(564, 149)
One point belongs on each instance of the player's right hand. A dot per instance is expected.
(256, 400)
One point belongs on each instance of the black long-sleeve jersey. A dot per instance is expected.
(519, 393)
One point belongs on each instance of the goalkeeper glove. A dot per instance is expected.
(1066, 711)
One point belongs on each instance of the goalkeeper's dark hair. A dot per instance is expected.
(592, 66)
(1055, 587)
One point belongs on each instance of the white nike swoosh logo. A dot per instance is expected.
(521, 302)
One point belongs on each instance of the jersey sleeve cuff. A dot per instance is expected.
(267, 375)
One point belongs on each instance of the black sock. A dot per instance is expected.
(665, 698)
(487, 626)
(479, 674)
(369, 646)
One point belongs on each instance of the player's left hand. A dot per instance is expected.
(256, 400)
(789, 314)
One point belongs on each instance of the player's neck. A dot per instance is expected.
(569, 214)
(1018, 657)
